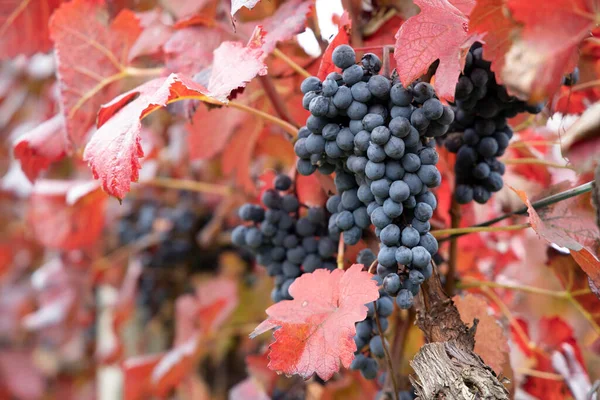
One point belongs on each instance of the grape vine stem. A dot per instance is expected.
(281, 55)
(455, 232)
(388, 358)
(546, 201)
(340, 256)
(455, 216)
(535, 161)
(190, 185)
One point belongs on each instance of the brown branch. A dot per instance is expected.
(354, 8)
(453, 254)
(275, 99)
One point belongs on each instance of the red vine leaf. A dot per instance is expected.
(114, 151)
(548, 45)
(490, 18)
(185, 8)
(342, 37)
(464, 6)
(288, 20)
(42, 146)
(581, 144)
(490, 341)
(156, 30)
(210, 130)
(66, 215)
(189, 50)
(316, 329)
(92, 57)
(439, 31)
(24, 26)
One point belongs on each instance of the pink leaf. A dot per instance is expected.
(340, 38)
(288, 20)
(464, 6)
(316, 329)
(156, 32)
(42, 146)
(439, 31)
(91, 55)
(189, 50)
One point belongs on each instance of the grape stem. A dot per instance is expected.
(535, 161)
(188, 184)
(455, 232)
(283, 57)
(340, 256)
(388, 358)
(546, 201)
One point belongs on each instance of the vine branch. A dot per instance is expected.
(388, 358)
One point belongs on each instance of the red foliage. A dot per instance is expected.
(439, 31)
(24, 26)
(91, 55)
(322, 316)
(39, 148)
(66, 215)
(326, 67)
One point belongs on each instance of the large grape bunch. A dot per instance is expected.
(375, 135)
(482, 108)
(285, 240)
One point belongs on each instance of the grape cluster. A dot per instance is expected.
(374, 134)
(482, 108)
(286, 243)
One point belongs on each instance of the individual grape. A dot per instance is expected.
(394, 148)
(343, 56)
(327, 247)
(463, 193)
(428, 198)
(422, 92)
(343, 98)
(399, 127)
(238, 235)
(303, 132)
(447, 116)
(464, 88)
(329, 87)
(300, 148)
(410, 237)
(423, 212)
(353, 74)
(371, 63)
(392, 209)
(379, 218)
(481, 170)
(352, 236)
(392, 284)
(345, 140)
(362, 140)
(355, 125)
(291, 270)
(360, 92)
(375, 152)
(379, 86)
(310, 84)
(413, 137)
(357, 110)
(387, 256)
(433, 109)
(305, 228)
(359, 361)
(420, 226)
(296, 255)
(307, 98)
(400, 96)
(419, 120)
(383, 271)
(429, 243)
(385, 307)
(369, 370)
(404, 300)
(330, 131)
(333, 203)
(319, 106)
(416, 277)
(333, 150)
(402, 112)
(403, 255)
(372, 121)
(245, 212)
(399, 191)
(410, 203)
(380, 135)
(420, 257)
(290, 241)
(393, 170)
(376, 347)
(411, 162)
(283, 182)
(374, 170)
(381, 188)
(278, 253)
(390, 235)
(305, 167)
(428, 156)
(364, 194)
(479, 77)
(345, 220)
(383, 322)
(364, 329)
(289, 203)
(268, 229)
(414, 183)
(361, 218)
(487, 147)
(253, 237)
(494, 182)
(366, 257)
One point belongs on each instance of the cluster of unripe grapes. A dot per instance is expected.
(286, 238)
(482, 108)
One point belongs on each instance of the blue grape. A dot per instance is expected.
(390, 235)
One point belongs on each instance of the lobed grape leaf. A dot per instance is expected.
(464, 6)
(490, 18)
(548, 45)
(439, 31)
(237, 4)
(327, 66)
(24, 27)
(66, 215)
(42, 146)
(581, 145)
(238, 153)
(156, 31)
(185, 8)
(189, 50)
(92, 56)
(491, 343)
(315, 330)
(210, 130)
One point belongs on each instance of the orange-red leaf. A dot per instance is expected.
(210, 129)
(66, 215)
(42, 146)
(24, 26)
(189, 50)
(327, 66)
(490, 18)
(92, 56)
(549, 43)
(439, 31)
(288, 20)
(316, 329)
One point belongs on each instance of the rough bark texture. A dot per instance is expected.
(447, 371)
(447, 367)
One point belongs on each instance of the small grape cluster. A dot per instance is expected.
(482, 108)
(374, 134)
(284, 242)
